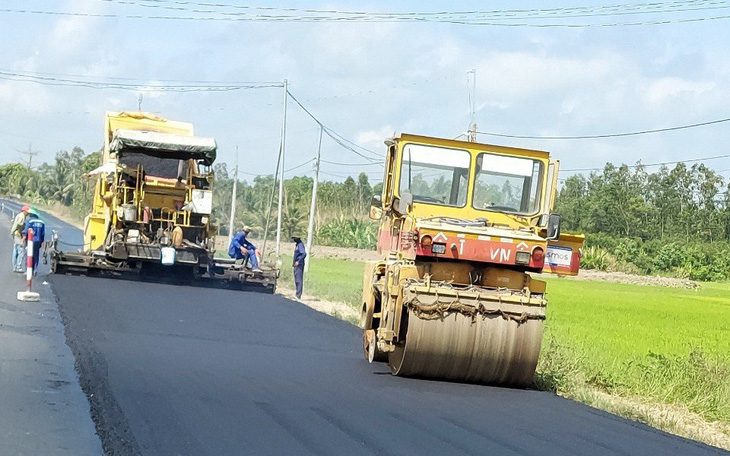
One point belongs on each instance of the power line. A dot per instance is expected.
(56, 81)
(612, 135)
(335, 136)
(569, 12)
(286, 170)
(340, 176)
(203, 82)
(450, 18)
(349, 164)
(30, 153)
(691, 160)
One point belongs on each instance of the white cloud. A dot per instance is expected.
(373, 139)
(73, 34)
(662, 89)
(522, 75)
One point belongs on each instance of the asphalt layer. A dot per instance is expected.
(173, 369)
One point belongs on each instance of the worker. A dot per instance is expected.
(39, 234)
(300, 253)
(241, 248)
(16, 230)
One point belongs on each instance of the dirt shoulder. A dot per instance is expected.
(633, 279)
(340, 310)
(674, 419)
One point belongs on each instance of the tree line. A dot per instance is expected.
(340, 217)
(672, 221)
(341, 214)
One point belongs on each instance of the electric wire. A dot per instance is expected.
(345, 143)
(569, 12)
(286, 170)
(120, 78)
(348, 164)
(56, 81)
(455, 18)
(611, 135)
(638, 165)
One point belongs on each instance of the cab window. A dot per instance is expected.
(507, 184)
(435, 175)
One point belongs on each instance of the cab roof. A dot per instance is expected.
(405, 137)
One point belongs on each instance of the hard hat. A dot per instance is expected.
(33, 211)
(246, 228)
(25, 208)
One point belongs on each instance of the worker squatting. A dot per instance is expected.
(242, 249)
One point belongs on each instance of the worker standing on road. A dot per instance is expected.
(39, 234)
(300, 253)
(241, 248)
(16, 230)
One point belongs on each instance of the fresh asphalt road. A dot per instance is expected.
(182, 370)
(43, 411)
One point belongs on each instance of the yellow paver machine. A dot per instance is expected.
(152, 205)
(462, 228)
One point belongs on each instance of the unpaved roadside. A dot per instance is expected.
(674, 419)
(340, 310)
(633, 279)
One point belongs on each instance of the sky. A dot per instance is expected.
(549, 75)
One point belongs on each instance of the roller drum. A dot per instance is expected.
(483, 349)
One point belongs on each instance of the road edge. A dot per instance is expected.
(109, 420)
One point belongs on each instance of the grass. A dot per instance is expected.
(333, 280)
(663, 345)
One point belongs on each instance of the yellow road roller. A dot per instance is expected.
(463, 227)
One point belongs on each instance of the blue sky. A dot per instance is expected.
(369, 80)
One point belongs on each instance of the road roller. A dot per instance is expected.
(463, 229)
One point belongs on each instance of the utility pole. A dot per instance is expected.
(472, 104)
(281, 174)
(30, 153)
(139, 102)
(233, 200)
(310, 229)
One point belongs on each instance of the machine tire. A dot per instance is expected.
(370, 345)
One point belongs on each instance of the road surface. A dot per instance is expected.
(182, 370)
(42, 408)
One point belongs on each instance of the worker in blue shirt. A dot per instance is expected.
(39, 234)
(241, 248)
(300, 253)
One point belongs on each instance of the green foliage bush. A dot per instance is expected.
(349, 232)
(688, 259)
(595, 257)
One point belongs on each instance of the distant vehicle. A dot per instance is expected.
(152, 204)
(462, 226)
